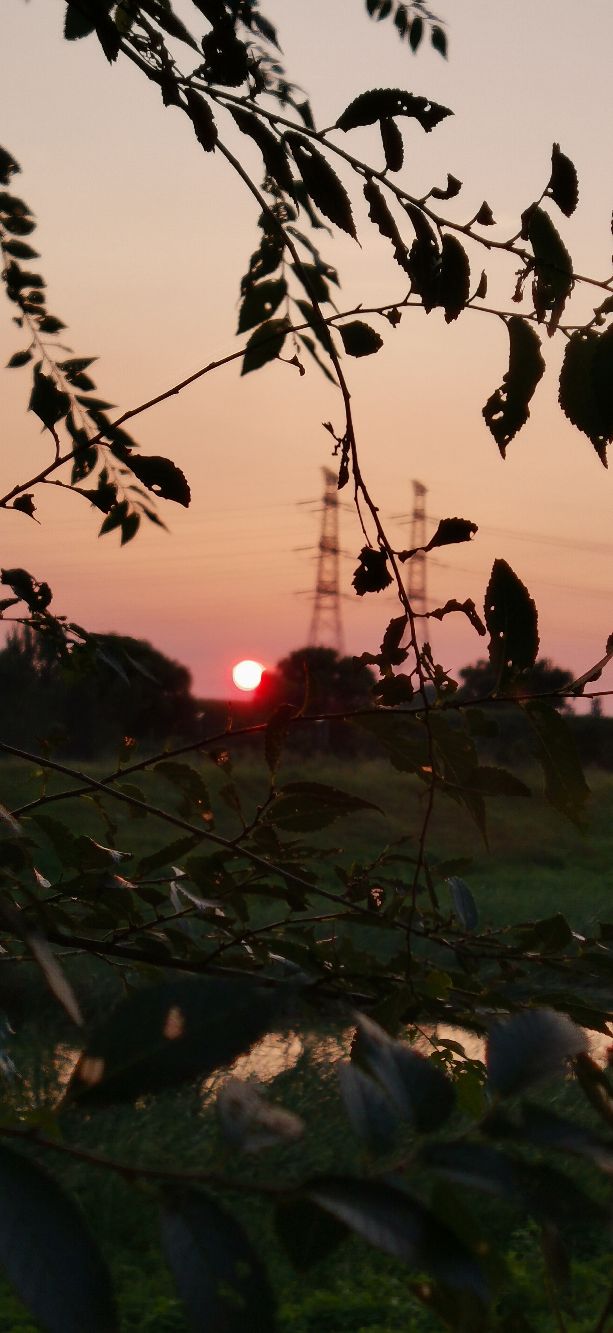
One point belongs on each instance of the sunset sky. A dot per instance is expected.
(143, 242)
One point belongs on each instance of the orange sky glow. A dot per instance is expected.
(143, 243)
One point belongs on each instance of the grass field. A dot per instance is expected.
(535, 864)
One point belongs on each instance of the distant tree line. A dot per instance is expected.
(125, 690)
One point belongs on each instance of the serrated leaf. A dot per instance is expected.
(48, 1254)
(218, 1274)
(46, 400)
(454, 278)
(79, 21)
(202, 118)
(391, 1220)
(464, 904)
(531, 1047)
(372, 573)
(586, 386)
(508, 408)
(450, 531)
(322, 183)
(383, 103)
(553, 270)
(563, 184)
(260, 302)
(167, 1034)
(512, 620)
(393, 146)
(380, 214)
(359, 339)
(305, 806)
(161, 476)
(272, 149)
(264, 345)
(565, 785)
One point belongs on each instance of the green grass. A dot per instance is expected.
(535, 864)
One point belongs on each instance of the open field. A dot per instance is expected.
(535, 864)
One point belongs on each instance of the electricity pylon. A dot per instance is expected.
(326, 626)
(416, 578)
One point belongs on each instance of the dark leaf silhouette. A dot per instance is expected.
(46, 400)
(202, 119)
(380, 214)
(563, 185)
(372, 573)
(273, 152)
(454, 281)
(359, 339)
(393, 147)
(485, 217)
(383, 103)
(322, 183)
(512, 621)
(161, 476)
(553, 270)
(264, 345)
(508, 408)
(166, 1034)
(586, 386)
(452, 188)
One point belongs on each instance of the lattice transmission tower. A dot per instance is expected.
(416, 578)
(326, 626)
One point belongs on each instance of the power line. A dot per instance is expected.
(326, 624)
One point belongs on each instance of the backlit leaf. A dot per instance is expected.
(161, 476)
(265, 344)
(359, 339)
(563, 184)
(507, 410)
(260, 302)
(512, 620)
(322, 183)
(553, 270)
(383, 103)
(46, 400)
(586, 386)
(393, 147)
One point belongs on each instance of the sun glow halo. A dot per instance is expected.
(247, 675)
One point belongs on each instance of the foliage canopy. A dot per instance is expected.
(392, 949)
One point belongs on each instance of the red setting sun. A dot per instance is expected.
(247, 675)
